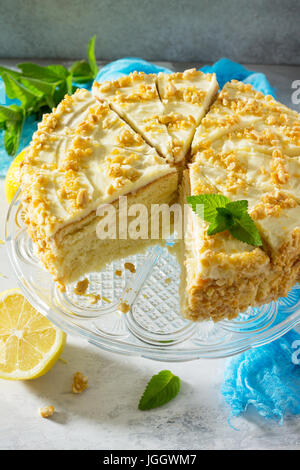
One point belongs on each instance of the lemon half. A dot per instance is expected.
(12, 179)
(29, 343)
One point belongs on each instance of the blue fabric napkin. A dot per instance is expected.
(264, 377)
(268, 377)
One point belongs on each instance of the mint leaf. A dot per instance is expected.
(162, 388)
(59, 70)
(210, 203)
(217, 225)
(10, 113)
(16, 90)
(237, 208)
(12, 136)
(91, 56)
(222, 214)
(13, 73)
(81, 71)
(39, 72)
(244, 229)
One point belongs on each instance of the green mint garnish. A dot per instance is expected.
(39, 88)
(222, 214)
(161, 389)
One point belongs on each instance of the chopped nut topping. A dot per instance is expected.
(80, 383)
(81, 287)
(82, 198)
(94, 298)
(124, 307)
(46, 411)
(130, 267)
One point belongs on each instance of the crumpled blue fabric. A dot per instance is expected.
(227, 70)
(268, 377)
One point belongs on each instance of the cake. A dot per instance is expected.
(165, 109)
(246, 148)
(82, 157)
(136, 137)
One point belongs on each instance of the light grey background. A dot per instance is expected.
(252, 31)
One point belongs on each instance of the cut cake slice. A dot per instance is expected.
(84, 156)
(186, 97)
(222, 276)
(135, 98)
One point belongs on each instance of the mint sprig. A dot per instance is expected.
(223, 214)
(161, 389)
(39, 88)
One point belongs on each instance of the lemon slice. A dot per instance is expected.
(12, 179)
(29, 343)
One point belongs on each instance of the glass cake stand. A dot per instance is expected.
(153, 328)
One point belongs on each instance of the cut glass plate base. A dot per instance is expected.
(153, 327)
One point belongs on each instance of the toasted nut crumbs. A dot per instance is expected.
(81, 287)
(130, 267)
(124, 307)
(46, 411)
(118, 272)
(80, 383)
(94, 298)
(168, 280)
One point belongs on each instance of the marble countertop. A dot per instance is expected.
(106, 415)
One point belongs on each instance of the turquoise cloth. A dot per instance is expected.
(268, 377)
(264, 377)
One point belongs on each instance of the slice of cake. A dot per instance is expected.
(135, 98)
(166, 109)
(84, 156)
(246, 150)
(186, 97)
(260, 121)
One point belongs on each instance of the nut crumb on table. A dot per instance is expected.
(46, 411)
(80, 383)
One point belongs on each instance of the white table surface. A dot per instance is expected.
(106, 415)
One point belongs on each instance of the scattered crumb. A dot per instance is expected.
(130, 267)
(146, 296)
(80, 383)
(46, 411)
(106, 299)
(118, 272)
(124, 307)
(61, 287)
(94, 298)
(81, 287)
(168, 280)
(64, 361)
